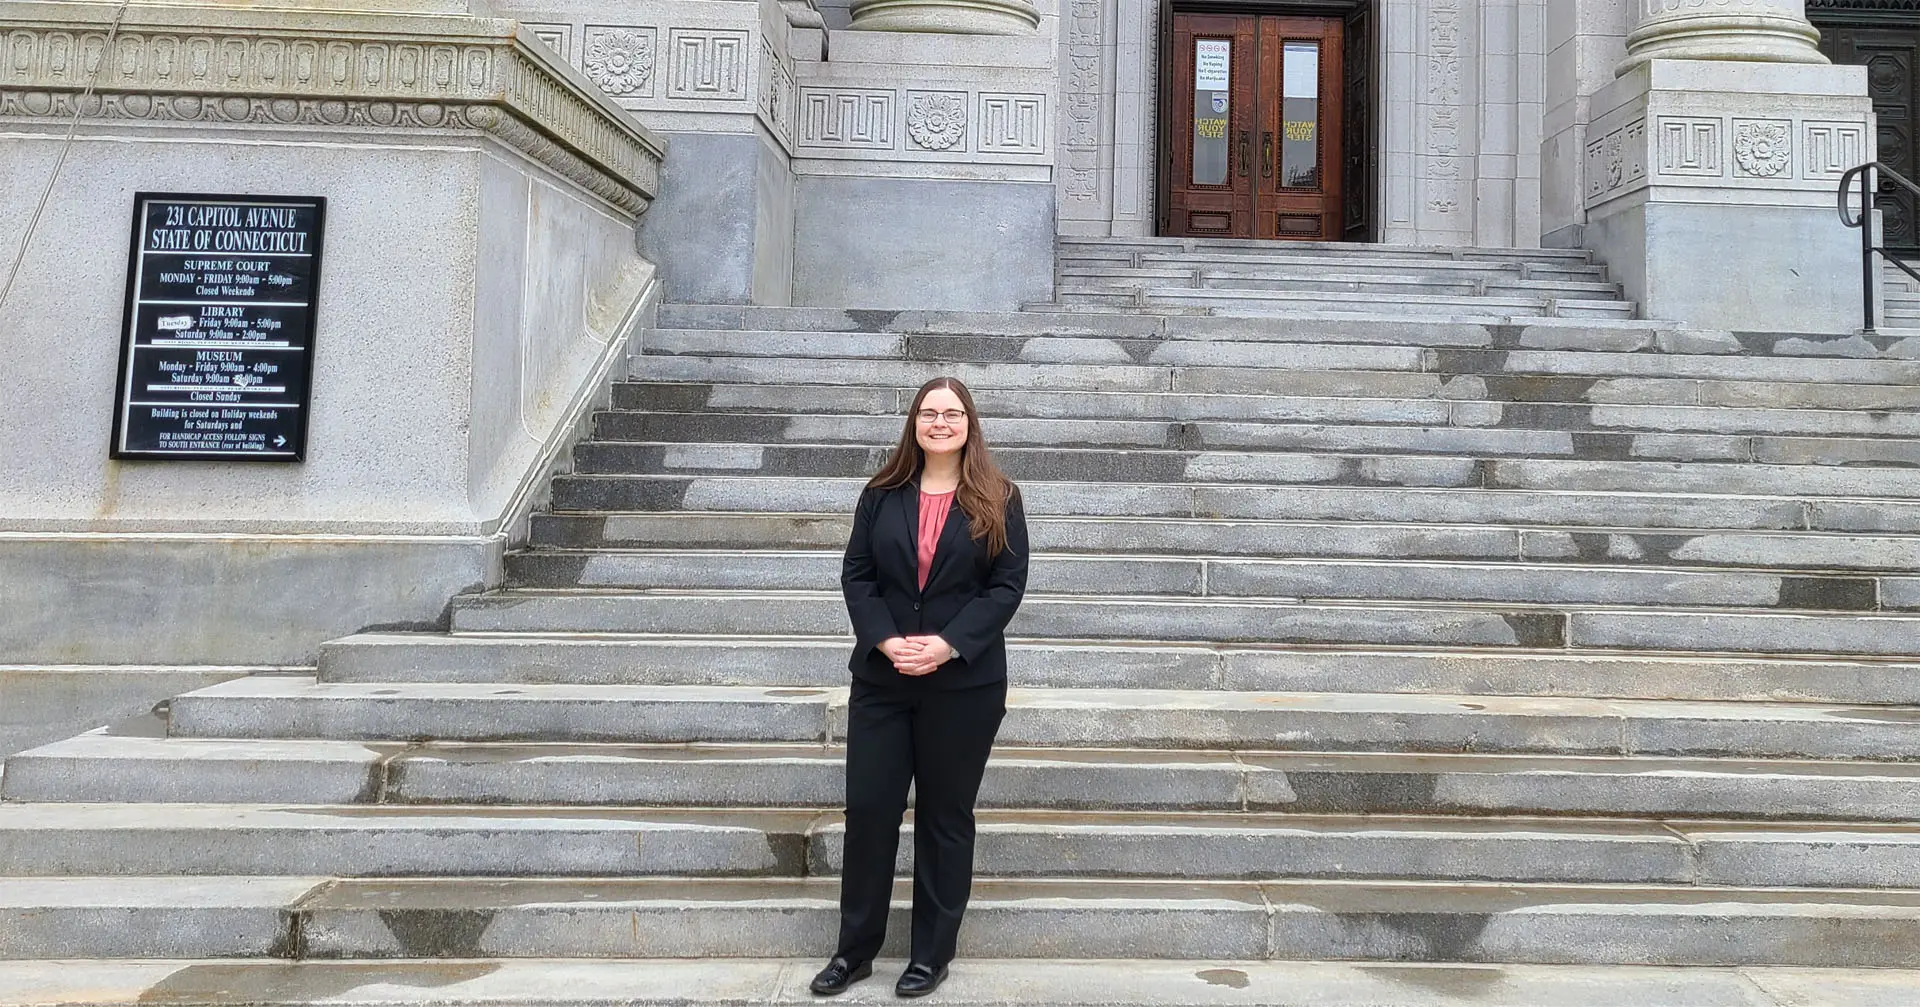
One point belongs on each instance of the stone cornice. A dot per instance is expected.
(301, 68)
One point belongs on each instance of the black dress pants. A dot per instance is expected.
(939, 740)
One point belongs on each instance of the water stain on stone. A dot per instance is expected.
(1360, 793)
(306, 982)
(1831, 594)
(1543, 630)
(871, 320)
(384, 692)
(1879, 714)
(1233, 978)
(1442, 937)
(1466, 982)
(790, 693)
(438, 933)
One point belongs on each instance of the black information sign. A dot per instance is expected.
(216, 353)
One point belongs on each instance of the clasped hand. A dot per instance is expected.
(917, 655)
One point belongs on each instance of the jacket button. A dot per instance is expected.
(916, 606)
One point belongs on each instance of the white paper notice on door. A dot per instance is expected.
(1210, 60)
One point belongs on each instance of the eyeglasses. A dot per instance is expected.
(952, 416)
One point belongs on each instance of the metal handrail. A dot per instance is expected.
(1868, 188)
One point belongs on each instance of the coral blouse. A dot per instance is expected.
(933, 517)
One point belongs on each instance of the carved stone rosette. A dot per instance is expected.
(937, 121)
(953, 17)
(350, 71)
(1761, 31)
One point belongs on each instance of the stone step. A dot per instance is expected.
(1810, 389)
(974, 982)
(767, 430)
(1693, 519)
(291, 707)
(603, 464)
(1237, 620)
(1078, 356)
(1309, 267)
(151, 917)
(344, 841)
(814, 662)
(1379, 250)
(100, 768)
(101, 840)
(1394, 921)
(1490, 283)
(1124, 327)
(1248, 302)
(1216, 577)
(1238, 537)
(1074, 244)
(1003, 407)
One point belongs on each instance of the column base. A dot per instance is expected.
(951, 17)
(1710, 192)
(1756, 38)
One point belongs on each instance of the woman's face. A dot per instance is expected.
(941, 424)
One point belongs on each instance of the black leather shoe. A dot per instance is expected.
(919, 980)
(838, 975)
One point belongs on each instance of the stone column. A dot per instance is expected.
(1711, 166)
(1756, 31)
(953, 17)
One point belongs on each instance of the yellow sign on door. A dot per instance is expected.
(1300, 130)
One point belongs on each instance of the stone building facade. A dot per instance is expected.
(883, 154)
(1461, 123)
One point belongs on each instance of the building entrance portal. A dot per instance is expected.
(1252, 126)
(1887, 42)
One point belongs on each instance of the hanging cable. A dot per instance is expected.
(73, 129)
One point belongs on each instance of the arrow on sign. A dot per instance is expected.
(280, 441)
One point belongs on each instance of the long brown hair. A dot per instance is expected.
(984, 490)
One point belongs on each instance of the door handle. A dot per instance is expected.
(1266, 155)
(1246, 151)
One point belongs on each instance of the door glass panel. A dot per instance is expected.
(1300, 114)
(1212, 67)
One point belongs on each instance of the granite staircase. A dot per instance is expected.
(1364, 638)
(1296, 279)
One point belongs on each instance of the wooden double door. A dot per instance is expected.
(1251, 124)
(1887, 43)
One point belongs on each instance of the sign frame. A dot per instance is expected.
(130, 320)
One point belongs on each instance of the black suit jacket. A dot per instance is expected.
(969, 599)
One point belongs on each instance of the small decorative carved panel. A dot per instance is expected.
(1762, 148)
(620, 60)
(846, 117)
(1013, 123)
(707, 63)
(558, 37)
(937, 120)
(1690, 146)
(1834, 148)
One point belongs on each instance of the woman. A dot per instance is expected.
(934, 571)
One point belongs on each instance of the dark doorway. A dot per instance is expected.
(1264, 122)
(1886, 40)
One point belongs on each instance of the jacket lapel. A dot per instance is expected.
(909, 504)
(943, 549)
